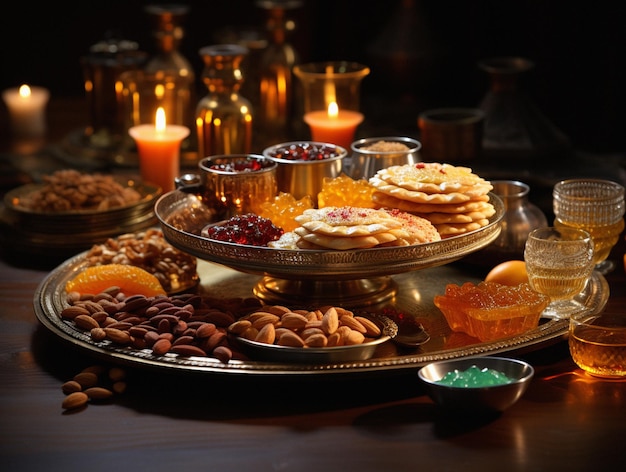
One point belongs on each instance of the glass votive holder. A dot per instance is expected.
(303, 166)
(369, 155)
(236, 184)
(141, 93)
(597, 343)
(331, 95)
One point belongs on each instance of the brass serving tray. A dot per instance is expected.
(414, 299)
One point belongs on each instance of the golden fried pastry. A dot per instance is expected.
(453, 199)
(348, 216)
(344, 243)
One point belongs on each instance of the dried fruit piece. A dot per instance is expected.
(131, 280)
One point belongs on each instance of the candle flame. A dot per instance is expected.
(24, 91)
(333, 110)
(330, 94)
(160, 119)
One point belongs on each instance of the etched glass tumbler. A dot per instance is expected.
(559, 262)
(595, 205)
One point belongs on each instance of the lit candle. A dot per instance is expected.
(158, 147)
(333, 125)
(26, 107)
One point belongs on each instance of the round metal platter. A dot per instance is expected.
(414, 298)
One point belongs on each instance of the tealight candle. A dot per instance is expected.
(158, 147)
(26, 107)
(333, 125)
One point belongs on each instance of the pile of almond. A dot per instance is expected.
(325, 327)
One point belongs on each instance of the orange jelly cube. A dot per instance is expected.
(489, 310)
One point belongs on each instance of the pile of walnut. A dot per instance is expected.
(150, 251)
(326, 327)
(71, 190)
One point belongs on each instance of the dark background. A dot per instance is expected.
(579, 51)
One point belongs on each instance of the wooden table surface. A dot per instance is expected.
(166, 421)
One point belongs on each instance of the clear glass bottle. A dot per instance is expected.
(276, 80)
(223, 117)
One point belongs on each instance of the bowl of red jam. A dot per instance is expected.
(477, 384)
(303, 165)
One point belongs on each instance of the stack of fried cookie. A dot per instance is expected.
(345, 228)
(452, 198)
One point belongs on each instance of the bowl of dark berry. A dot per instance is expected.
(303, 165)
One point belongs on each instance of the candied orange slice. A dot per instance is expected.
(491, 310)
(132, 280)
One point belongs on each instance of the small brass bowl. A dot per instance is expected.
(301, 177)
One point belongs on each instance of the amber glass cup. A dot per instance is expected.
(595, 205)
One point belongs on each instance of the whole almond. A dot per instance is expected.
(353, 324)
(335, 339)
(291, 339)
(278, 310)
(86, 322)
(293, 321)
(267, 334)
(71, 386)
(317, 340)
(75, 400)
(223, 353)
(98, 334)
(86, 379)
(188, 350)
(98, 393)
(371, 329)
(206, 330)
(304, 334)
(330, 321)
(354, 337)
(239, 326)
(161, 346)
(117, 335)
(72, 312)
(260, 321)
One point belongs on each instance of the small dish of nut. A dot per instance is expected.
(320, 336)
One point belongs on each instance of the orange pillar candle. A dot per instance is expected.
(333, 125)
(158, 147)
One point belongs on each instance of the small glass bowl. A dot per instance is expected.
(597, 343)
